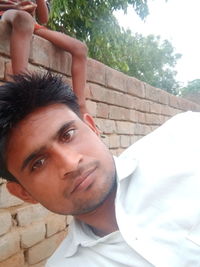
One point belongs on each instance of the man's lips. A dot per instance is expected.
(84, 180)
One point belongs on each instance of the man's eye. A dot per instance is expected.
(37, 164)
(67, 136)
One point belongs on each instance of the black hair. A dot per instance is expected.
(22, 96)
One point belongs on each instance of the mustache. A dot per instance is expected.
(82, 169)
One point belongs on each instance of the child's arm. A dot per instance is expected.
(42, 12)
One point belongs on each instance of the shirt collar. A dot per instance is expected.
(81, 235)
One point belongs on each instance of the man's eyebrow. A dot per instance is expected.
(35, 153)
(65, 126)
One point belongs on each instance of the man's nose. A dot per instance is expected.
(67, 160)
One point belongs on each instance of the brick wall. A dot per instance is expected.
(125, 109)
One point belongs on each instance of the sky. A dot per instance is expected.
(177, 21)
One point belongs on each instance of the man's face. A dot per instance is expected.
(60, 160)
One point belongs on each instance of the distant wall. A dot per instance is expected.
(125, 109)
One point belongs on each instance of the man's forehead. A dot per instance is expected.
(49, 112)
(43, 119)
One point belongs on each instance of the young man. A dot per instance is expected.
(20, 15)
(141, 209)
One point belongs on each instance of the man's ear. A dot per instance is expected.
(87, 118)
(19, 191)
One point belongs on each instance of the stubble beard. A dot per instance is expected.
(82, 207)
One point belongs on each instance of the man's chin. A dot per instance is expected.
(89, 209)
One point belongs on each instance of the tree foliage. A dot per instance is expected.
(146, 58)
(78, 17)
(191, 87)
(151, 60)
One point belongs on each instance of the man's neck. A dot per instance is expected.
(102, 221)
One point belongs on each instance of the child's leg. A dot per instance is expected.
(78, 50)
(22, 24)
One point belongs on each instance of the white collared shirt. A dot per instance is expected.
(157, 205)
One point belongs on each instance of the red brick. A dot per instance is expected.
(163, 97)
(60, 61)
(98, 93)
(9, 245)
(92, 107)
(106, 126)
(175, 101)
(118, 113)
(124, 100)
(44, 249)
(155, 108)
(153, 118)
(96, 71)
(30, 214)
(115, 79)
(6, 199)
(55, 223)
(40, 56)
(102, 110)
(114, 141)
(141, 117)
(135, 138)
(125, 141)
(123, 127)
(32, 234)
(133, 115)
(50, 56)
(163, 119)
(151, 92)
(156, 94)
(5, 222)
(141, 104)
(166, 110)
(154, 127)
(141, 129)
(135, 87)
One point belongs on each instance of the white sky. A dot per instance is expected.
(175, 20)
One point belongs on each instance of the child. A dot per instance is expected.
(20, 15)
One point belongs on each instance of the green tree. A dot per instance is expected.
(151, 60)
(146, 58)
(191, 87)
(78, 17)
